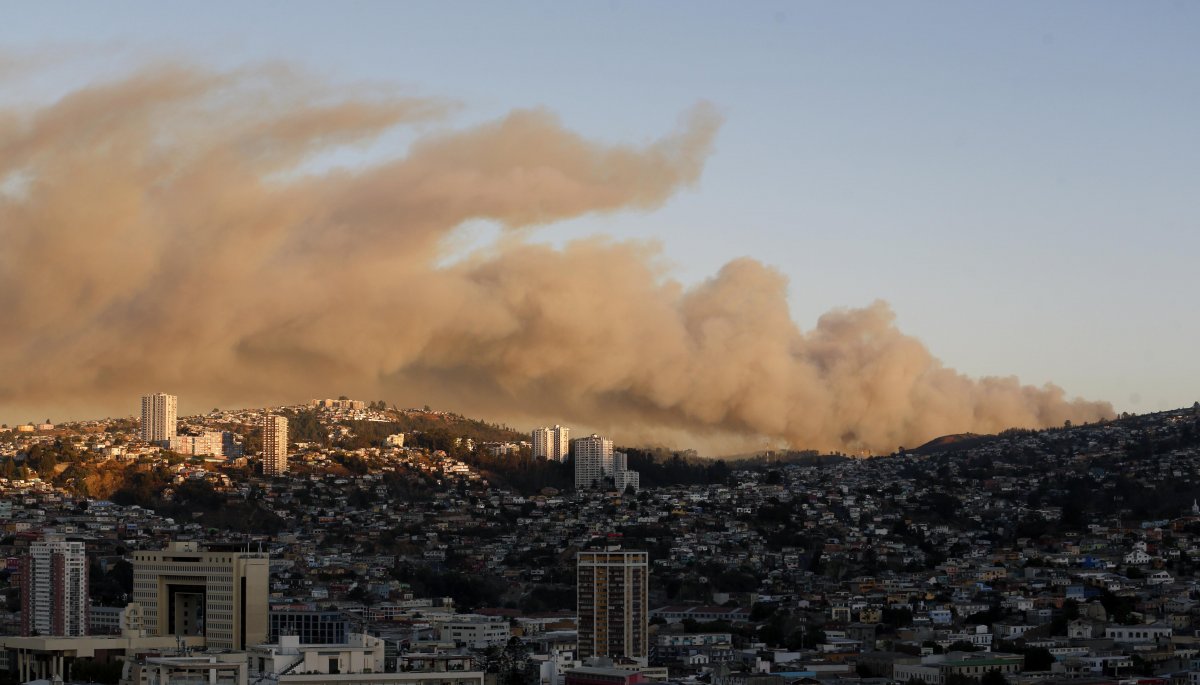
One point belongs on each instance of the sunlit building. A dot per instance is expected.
(275, 442)
(593, 461)
(186, 590)
(159, 413)
(54, 588)
(551, 443)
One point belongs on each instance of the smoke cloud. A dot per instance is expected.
(165, 232)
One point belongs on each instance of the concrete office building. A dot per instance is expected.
(185, 590)
(50, 658)
(360, 660)
(159, 413)
(275, 443)
(207, 669)
(54, 588)
(612, 600)
(552, 443)
(593, 461)
(476, 632)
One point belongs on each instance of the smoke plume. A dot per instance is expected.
(164, 232)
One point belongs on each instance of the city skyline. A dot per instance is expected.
(807, 161)
(1043, 555)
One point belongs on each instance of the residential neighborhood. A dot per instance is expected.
(1057, 555)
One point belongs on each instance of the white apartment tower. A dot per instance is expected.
(54, 588)
(551, 443)
(159, 412)
(275, 442)
(623, 478)
(593, 461)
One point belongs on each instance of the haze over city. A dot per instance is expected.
(622, 343)
(811, 226)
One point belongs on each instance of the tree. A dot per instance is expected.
(805, 638)
(772, 632)
(993, 677)
(1038, 659)
(762, 611)
(512, 662)
(122, 573)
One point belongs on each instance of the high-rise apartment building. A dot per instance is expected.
(207, 443)
(54, 588)
(612, 599)
(159, 412)
(275, 443)
(623, 478)
(593, 461)
(187, 590)
(552, 443)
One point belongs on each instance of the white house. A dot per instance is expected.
(1138, 634)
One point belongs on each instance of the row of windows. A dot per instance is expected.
(143, 567)
(1139, 633)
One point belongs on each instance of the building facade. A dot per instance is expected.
(275, 443)
(216, 669)
(622, 477)
(477, 632)
(186, 590)
(159, 414)
(310, 627)
(54, 588)
(552, 443)
(612, 600)
(593, 461)
(338, 404)
(208, 443)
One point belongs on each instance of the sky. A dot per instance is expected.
(1017, 179)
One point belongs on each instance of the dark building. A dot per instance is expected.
(312, 627)
(612, 591)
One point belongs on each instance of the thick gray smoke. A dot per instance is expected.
(160, 233)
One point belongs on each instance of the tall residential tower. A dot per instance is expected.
(593, 461)
(159, 413)
(612, 600)
(54, 588)
(275, 442)
(551, 443)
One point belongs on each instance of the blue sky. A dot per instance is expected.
(1018, 179)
